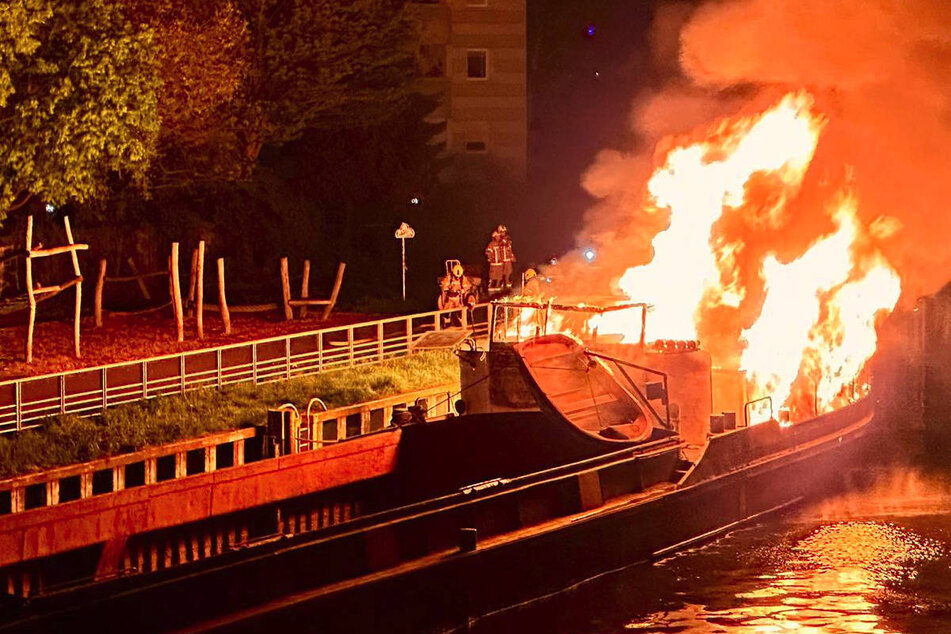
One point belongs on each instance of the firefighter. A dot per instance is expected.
(501, 259)
(533, 289)
(508, 256)
(532, 285)
(455, 289)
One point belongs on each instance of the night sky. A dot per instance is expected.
(581, 87)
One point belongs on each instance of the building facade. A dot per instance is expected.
(473, 56)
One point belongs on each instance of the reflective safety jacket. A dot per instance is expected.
(499, 251)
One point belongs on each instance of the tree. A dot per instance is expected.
(325, 63)
(78, 85)
(239, 77)
(203, 55)
(19, 22)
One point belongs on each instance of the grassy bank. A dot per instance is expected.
(70, 439)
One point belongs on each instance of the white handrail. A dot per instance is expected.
(26, 402)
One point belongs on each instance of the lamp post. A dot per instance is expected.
(405, 231)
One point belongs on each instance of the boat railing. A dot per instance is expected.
(506, 317)
(749, 404)
(319, 428)
(208, 453)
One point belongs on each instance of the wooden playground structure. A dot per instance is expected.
(37, 292)
(193, 304)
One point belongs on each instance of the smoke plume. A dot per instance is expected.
(880, 71)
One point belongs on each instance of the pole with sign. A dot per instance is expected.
(405, 231)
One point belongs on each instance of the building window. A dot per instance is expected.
(475, 147)
(477, 64)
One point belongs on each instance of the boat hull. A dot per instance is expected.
(539, 535)
(475, 585)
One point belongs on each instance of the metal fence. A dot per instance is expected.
(27, 402)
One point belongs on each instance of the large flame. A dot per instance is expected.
(818, 317)
(814, 318)
(696, 184)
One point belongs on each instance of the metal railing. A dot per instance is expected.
(27, 402)
(211, 452)
(335, 425)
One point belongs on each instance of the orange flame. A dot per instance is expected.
(815, 328)
(695, 184)
(818, 315)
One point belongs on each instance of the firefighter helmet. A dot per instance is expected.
(501, 229)
(457, 270)
(529, 274)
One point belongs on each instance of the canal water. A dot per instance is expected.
(873, 560)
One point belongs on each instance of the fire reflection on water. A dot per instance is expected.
(831, 580)
(874, 558)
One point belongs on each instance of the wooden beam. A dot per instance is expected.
(177, 294)
(247, 308)
(200, 290)
(56, 288)
(336, 291)
(190, 299)
(222, 300)
(100, 284)
(79, 287)
(141, 311)
(66, 248)
(140, 279)
(286, 291)
(29, 292)
(305, 287)
(308, 302)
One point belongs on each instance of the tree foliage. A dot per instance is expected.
(245, 75)
(79, 88)
(19, 22)
(203, 53)
(329, 64)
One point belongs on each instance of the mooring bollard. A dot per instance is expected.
(468, 539)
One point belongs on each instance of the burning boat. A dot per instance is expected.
(595, 435)
(574, 458)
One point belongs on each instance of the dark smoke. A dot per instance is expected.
(880, 70)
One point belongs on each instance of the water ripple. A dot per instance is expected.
(836, 577)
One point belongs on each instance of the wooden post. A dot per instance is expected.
(336, 290)
(222, 301)
(305, 287)
(79, 288)
(141, 281)
(200, 290)
(177, 294)
(100, 283)
(171, 290)
(29, 290)
(190, 300)
(286, 291)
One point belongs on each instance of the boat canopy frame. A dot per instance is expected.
(620, 363)
(544, 312)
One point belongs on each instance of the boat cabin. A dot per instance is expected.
(592, 364)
